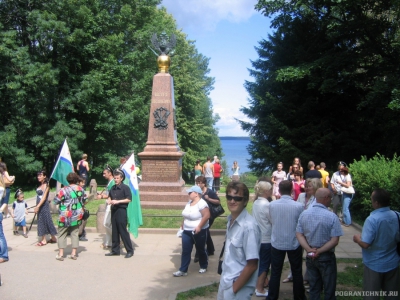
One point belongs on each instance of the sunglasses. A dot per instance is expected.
(235, 198)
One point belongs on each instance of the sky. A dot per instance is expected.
(226, 31)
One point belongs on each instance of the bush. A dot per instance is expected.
(367, 175)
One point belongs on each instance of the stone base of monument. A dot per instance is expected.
(163, 195)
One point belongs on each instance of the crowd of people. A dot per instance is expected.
(72, 217)
(212, 171)
(291, 216)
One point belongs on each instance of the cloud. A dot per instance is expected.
(227, 125)
(205, 14)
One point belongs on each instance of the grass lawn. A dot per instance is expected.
(160, 218)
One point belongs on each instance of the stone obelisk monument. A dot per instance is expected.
(161, 158)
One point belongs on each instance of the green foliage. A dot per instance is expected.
(369, 174)
(83, 70)
(324, 82)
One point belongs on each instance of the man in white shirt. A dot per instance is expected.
(242, 245)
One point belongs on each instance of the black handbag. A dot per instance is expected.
(86, 214)
(215, 210)
(221, 260)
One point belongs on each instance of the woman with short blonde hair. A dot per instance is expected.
(263, 192)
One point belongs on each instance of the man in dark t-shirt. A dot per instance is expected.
(312, 173)
(119, 197)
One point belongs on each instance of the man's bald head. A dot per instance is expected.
(323, 196)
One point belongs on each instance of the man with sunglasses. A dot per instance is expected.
(283, 215)
(242, 245)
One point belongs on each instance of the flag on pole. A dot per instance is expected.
(134, 211)
(63, 166)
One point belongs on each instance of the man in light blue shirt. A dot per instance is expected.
(283, 215)
(378, 241)
(318, 232)
(242, 246)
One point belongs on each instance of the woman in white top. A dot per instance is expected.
(345, 181)
(194, 225)
(311, 186)
(263, 191)
(235, 170)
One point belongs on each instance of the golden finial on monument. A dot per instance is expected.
(163, 46)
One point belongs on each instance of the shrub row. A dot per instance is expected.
(369, 174)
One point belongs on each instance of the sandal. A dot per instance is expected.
(74, 257)
(287, 280)
(16, 232)
(41, 244)
(51, 241)
(60, 258)
(2, 260)
(25, 235)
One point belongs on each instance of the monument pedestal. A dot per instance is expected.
(161, 158)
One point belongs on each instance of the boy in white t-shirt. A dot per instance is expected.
(19, 211)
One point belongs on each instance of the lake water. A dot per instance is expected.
(235, 149)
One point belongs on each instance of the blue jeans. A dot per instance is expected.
(210, 181)
(322, 273)
(199, 241)
(3, 242)
(296, 264)
(6, 199)
(346, 199)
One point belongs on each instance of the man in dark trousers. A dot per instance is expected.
(119, 197)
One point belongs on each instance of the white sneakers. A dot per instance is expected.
(179, 274)
(264, 294)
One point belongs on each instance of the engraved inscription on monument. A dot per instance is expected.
(159, 170)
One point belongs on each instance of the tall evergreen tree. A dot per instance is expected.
(323, 82)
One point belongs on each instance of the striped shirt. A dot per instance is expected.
(319, 225)
(284, 214)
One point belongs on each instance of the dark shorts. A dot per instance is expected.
(265, 258)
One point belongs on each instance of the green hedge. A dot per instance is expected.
(369, 174)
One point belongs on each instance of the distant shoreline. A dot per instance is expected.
(234, 138)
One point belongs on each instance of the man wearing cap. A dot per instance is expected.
(119, 197)
(241, 248)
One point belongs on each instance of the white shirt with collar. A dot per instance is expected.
(242, 244)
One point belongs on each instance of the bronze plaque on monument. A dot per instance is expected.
(161, 158)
